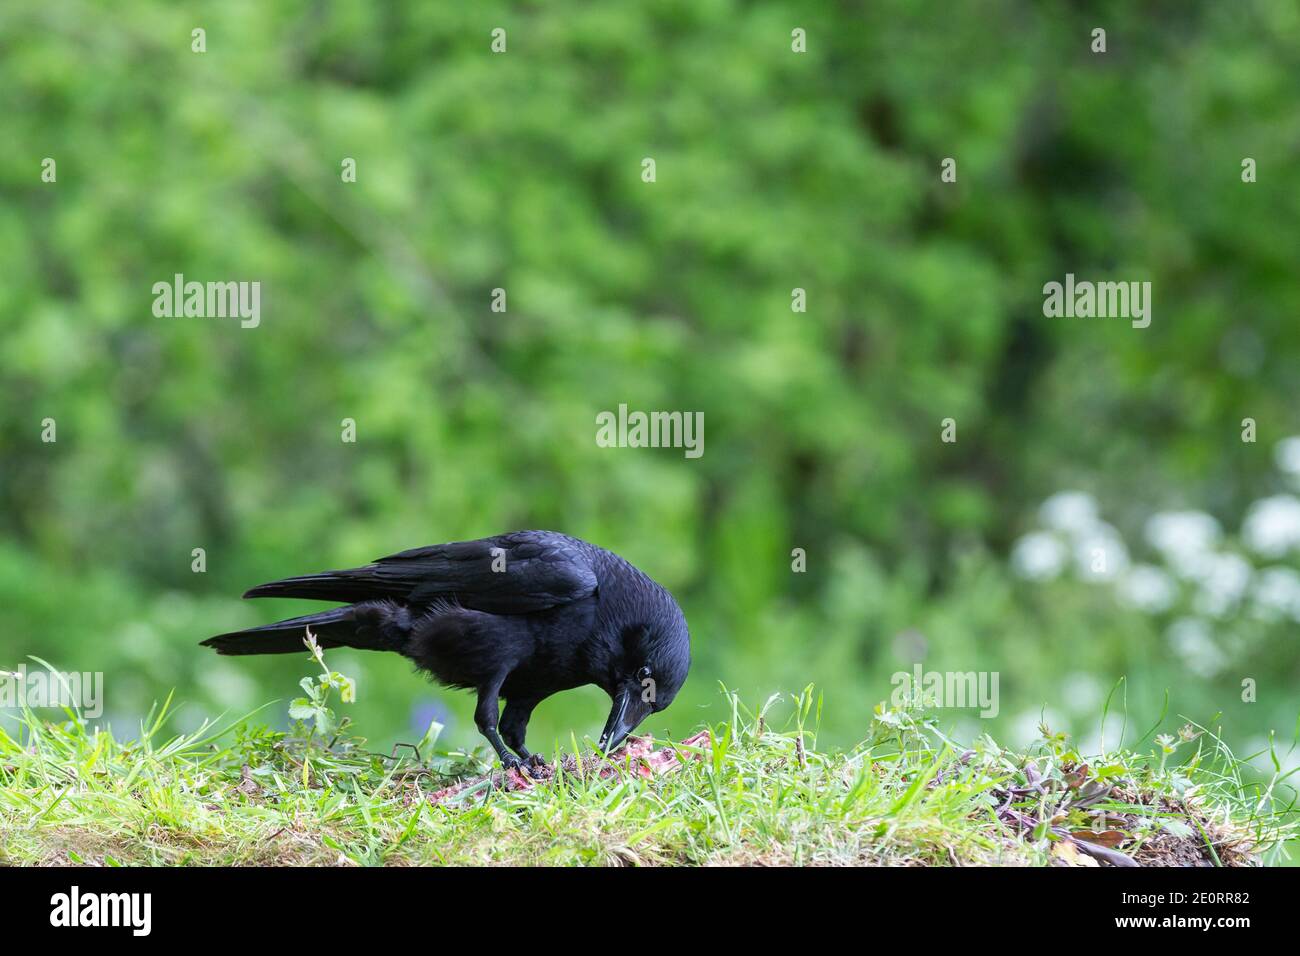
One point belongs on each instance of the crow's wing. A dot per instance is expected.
(507, 574)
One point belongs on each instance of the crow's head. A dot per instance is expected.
(649, 667)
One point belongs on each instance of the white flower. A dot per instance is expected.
(1081, 692)
(1184, 538)
(1272, 526)
(1191, 640)
(1038, 556)
(1100, 554)
(1147, 588)
(1074, 512)
(1277, 593)
(1223, 580)
(1287, 455)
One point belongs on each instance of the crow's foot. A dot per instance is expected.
(510, 762)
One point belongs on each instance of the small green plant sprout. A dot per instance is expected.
(1056, 742)
(313, 711)
(906, 726)
(1169, 744)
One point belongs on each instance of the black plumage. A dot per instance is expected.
(517, 617)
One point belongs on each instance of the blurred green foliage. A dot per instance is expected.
(522, 171)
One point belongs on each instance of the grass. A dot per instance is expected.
(763, 794)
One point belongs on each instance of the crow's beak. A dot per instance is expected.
(628, 711)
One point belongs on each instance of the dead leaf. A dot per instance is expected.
(1068, 853)
(1110, 838)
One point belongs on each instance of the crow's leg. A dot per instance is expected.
(514, 725)
(485, 716)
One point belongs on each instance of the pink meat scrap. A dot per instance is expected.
(636, 756)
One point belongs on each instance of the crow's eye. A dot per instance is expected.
(643, 673)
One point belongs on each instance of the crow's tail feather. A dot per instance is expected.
(371, 583)
(377, 626)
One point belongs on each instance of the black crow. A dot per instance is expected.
(520, 616)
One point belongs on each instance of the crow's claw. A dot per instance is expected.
(510, 762)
